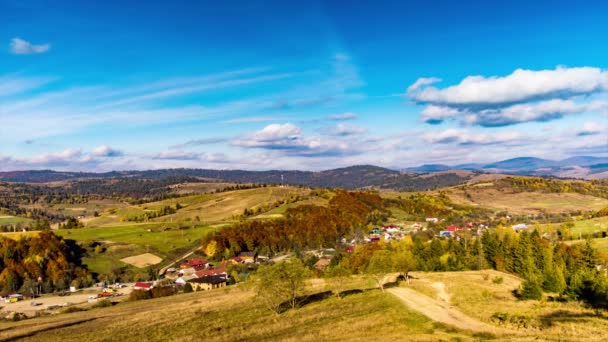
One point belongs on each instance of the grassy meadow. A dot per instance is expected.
(487, 196)
(234, 314)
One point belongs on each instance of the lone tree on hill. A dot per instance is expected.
(280, 283)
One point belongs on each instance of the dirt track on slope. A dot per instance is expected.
(441, 311)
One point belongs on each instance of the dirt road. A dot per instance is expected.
(441, 311)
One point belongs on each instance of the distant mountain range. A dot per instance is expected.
(354, 177)
(585, 167)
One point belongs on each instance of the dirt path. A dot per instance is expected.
(441, 311)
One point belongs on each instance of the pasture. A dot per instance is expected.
(487, 196)
(12, 220)
(157, 237)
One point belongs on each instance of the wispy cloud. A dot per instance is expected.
(343, 116)
(19, 46)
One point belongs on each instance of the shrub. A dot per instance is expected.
(500, 317)
(531, 290)
(72, 309)
(187, 288)
(102, 304)
(140, 295)
(164, 291)
(497, 280)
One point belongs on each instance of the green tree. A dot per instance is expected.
(280, 283)
(188, 288)
(404, 262)
(337, 277)
(379, 266)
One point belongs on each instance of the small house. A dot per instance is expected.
(249, 257)
(194, 263)
(519, 227)
(432, 219)
(220, 272)
(207, 283)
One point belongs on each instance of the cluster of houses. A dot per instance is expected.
(393, 232)
(200, 274)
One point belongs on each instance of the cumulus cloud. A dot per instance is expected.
(520, 86)
(64, 157)
(539, 112)
(19, 46)
(104, 151)
(343, 116)
(434, 114)
(289, 140)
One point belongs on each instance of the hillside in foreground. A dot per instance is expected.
(234, 314)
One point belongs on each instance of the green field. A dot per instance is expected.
(150, 235)
(12, 220)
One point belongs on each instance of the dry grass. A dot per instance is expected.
(142, 260)
(487, 196)
(477, 295)
(232, 314)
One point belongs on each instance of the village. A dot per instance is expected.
(198, 274)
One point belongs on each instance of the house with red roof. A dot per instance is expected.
(143, 286)
(220, 271)
(194, 263)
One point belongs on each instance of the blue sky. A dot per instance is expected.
(304, 85)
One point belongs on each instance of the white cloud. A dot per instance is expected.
(289, 140)
(520, 86)
(434, 114)
(104, 151)
(19, 46)
(64, 157)
(590, 128)
(533, 112)
(343, 130)
(466, 137)
(421, 82)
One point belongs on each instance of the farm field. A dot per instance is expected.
(6, 220)
(153, 235)
(129, 240)
(226, 206)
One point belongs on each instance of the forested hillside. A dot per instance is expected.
(354, 177)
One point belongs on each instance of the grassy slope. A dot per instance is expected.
(233, 314)
(486, 195)
(223, 206)
(128, 238)
(481, 298)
